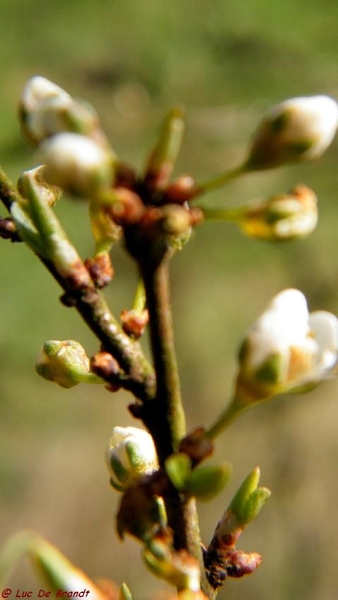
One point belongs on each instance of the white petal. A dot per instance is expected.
(283, 324)
(324, 326)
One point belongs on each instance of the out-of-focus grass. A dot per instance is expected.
(227, 62)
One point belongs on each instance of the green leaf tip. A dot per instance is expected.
(249, 499)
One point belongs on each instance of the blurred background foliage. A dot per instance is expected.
(227, 62)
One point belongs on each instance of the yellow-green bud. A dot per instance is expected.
(282, 217)
(131, 454)
(64, 362)
(298, 129)
(76, 163)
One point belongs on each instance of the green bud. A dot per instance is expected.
(206, 482)
(176, 224)
(249, 499)
(164, 155)
(65, 363)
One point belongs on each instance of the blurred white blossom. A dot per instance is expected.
(282, 216)
(286, 348)
(295, 130)
(46, 109)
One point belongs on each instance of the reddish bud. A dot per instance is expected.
(128, 208)
(196, 445)
(100, 269)
(134, 322)
(104, 365)
(181, 190)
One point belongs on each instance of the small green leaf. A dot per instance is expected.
(178, 467)
(207, 481)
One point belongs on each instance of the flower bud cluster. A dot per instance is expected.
(221, 558)
(70, 141)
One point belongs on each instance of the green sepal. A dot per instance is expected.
(206, 482)
(249, 499)
(270, 371)
(134, 453)
(178, 467)
(121, 474)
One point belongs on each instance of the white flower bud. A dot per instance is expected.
(295, 130)
(286, 348)
(39, 89)
(41, 96)
(282, 216)
(131, 453)
(76, 164)
(46, 109)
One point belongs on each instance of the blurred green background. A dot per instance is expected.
(227, 62)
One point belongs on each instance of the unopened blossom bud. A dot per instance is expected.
(286, 349)
(65, 363)
(76, 163)
(46, 109)
(282, 217)
(38, 93)
(298, 129)
(175, 222)
(131, 454)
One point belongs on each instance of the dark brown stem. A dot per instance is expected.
(165, 417)
(168, 419)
